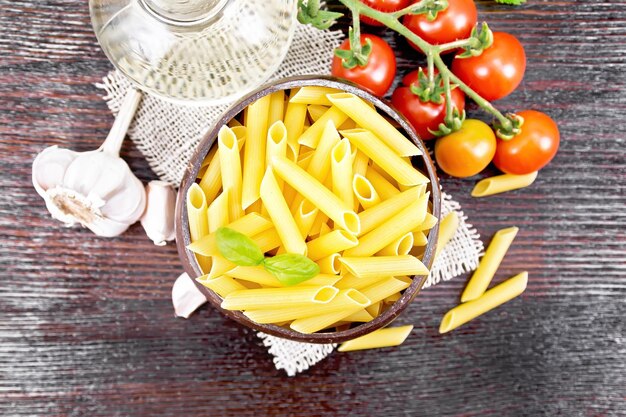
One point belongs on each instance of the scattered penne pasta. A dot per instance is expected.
(447, 229)
(387, 337)
(502, 183)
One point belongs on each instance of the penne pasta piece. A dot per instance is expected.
(383, 173)
(218, 212)
(316, 111)
(395, 227)
(419, 239)
(325, 229)
(401, 171)
(330, 264)
(263, 277)
(375, 266)
(197, 213)
(502, 183)
(383, 187)
(388, 337)
(368, 118)
(400, 246)
(313, 324)
(333, 242)
(211, 181)
(253, 162)
(250, 225)
(378, 214)
(219, 267)
(276, 141)
(429, 222)
(295, 116)
(341, 169)
(277, 107)
(361, 316)
(222, 285)
(393, 298)
(234, 123)
(202, 171)
(384, 288)
(319, 166)
(230, 170)
(305, 160)
(489, 264)
(313, 95)
(447, 229)
(316, 193)
(345, 299)
(350, 281)
(305, 216)
(361, 163)
(278, 210)
(491, 299)
(348, 124)
(375, 309)
(364, 191)
(267, 240)
(256, 207)
(320, 220)
(312, 135)
(240, 134)
(271, 298)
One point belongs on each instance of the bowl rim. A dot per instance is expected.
(192, 268)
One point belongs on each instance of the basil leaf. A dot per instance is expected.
(238, 248)
(291, 268)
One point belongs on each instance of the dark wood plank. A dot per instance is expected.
(87, 326)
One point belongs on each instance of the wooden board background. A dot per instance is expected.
(86, 324)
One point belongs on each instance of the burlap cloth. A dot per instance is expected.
(167, 134)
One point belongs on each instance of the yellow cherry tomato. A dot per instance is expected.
(467, 151)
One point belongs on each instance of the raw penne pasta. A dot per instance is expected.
(256, 136)
(383, 187)
(395, 227)
(316, 111)
(295, 115)
(319, 195)
(345, 299)
(234, 123)
(489, 263)
(278, 210)
(315, 323)
(489, 300)
(368, 118)
(375, 309)
(211, 182)
(222, 285)
(250, 225)
(276, 141)
(219, 267)
(348, 124)
(429, 222)
(388, 337)
(341, 170)
(218, 212)
(350, 281)
(325, 229)
(313, 95)
(330, 264)
(267, 240)
(197, 213)
(401, 171)
(256, 274)
(377, 215)
(384, 265)
(400, 246)
(311, 136)
(364, 191)
(361, 163)
(333, 242)
(240, 134)
(419, 239)
(362, 316)
(502, 183)
(384, 288)
(320, 220)
(305, 216)
(447, 229)
(277, 107)
(266, 298)
(230, 170)
(319, 166)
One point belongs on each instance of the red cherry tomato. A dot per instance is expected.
(496, 72)
(456, 22)
(378, 74)
(386, 6)
(530, 150)
(423, 116)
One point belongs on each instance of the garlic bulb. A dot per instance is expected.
(158, 219)
(96, 189)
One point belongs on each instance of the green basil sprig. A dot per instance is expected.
(288, 268)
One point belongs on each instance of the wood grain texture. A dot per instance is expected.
(86, 324)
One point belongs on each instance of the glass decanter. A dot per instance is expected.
(195, 51)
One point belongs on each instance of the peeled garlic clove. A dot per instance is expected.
(158, 219)
(186, 297)
(49, 168)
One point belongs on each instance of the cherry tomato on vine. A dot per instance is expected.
(456, 22)
(467, 151)
(386, 6)
(530, 150)
(377, 76)
(496, 72)
(423, 115)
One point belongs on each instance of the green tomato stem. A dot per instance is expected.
(391, 21)
(355, 42)
(415, 8)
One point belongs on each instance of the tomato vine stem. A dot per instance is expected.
(433, 54)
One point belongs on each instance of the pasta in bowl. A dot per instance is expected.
(309, 212)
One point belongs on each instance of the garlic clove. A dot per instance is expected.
(128, 204)
(158, 218)
(186, 297)
(104, 227)
(96, 175)
(49, 168)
